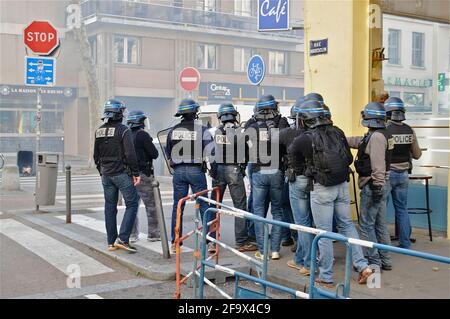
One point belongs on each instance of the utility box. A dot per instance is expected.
(47, 175)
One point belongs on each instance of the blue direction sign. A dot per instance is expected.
(273, 15)
(39, 71)
(256, 70)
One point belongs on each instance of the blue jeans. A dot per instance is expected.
(111, 187)
(326, 200)
(250, 223)
(398, 188)
(231, 176)
(372, 224)
(183, 177)
(286, 233)
(301, 208)
(268, 184)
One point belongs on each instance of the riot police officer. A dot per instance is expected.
(267, 176)
(146, 152)
(372, 165)
(406, 148)
(116, 161)
(186, 146)
(229, 167)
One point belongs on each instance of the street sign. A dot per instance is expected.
(40, 37)
(317, 47)
(39, 71)
(442, 82)
(256, 70)
(273, 15)
(189, 78)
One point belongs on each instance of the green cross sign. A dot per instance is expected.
(442, 82)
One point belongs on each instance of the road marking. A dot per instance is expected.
(52, 251)
(99, 225)
(93, 296)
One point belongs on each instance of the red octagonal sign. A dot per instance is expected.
(40, 37)
(189, 78)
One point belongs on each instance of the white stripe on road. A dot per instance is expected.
(99, 225)
(52, 251)
(94, 296)
(96, 200)
(101, 195)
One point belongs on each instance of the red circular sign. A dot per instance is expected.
(189, 78)
(40, 37)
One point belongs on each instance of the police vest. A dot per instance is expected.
(403, 138)
(296, 163)
(362, 163)
(109, 139)
(263, 139)
(187, 143)
(227, 149)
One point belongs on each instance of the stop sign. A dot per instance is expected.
(40, 37)
(189, 78)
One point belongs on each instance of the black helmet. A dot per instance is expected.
(312, 114)
(266, 102)
(295, 109)
(374, 115)
(136, 119)
(395, 109)
(113, 109)
(187, 106)
(227, 112)
(314, 97)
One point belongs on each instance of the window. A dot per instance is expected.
(277, 62)
(243, 7)
(207, 56)
(241, 58)
(126, 49)
(414, 99)
(207, 5)
(394, 94)
(93, 45)
(394, 46)
(8, 122)
(418, 44)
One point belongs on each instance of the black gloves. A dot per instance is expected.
(377, 193)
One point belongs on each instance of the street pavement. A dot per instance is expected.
(40, 254)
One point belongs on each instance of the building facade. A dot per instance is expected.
(139, 48)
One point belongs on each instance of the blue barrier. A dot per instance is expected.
(314, 291)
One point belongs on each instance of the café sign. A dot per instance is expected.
(408, 82)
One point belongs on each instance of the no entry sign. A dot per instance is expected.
(189, 78)
(40, 37)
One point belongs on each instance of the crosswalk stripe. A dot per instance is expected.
(56, 253)
(95, 200)
(99, 225)
(93, 296)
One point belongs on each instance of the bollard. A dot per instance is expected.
(68, 195)
(161, 222)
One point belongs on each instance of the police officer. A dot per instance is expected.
(116, 161)
(406, 148)
(146, 152)
(186, 145)
(372, 165)
(267, 176)
(298, 194)
(229, 166)
(328, 158)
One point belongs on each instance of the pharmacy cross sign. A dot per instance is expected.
(442, 82)
(40, 37)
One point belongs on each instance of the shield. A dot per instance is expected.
(162, 139)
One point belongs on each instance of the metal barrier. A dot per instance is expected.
(214, 225)
(342, 289)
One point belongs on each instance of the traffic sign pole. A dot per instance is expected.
(38, 140)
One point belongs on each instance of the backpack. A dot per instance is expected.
(331, 159)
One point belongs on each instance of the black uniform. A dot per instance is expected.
(114, 150)
(146, 151)
(294, 165)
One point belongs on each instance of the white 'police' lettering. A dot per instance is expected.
(403, 138)
(390, 143)
(111, 131)
(184, 135)
(101, 132)
(264, 136)
(222, 139)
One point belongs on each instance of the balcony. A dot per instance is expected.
(180, 16)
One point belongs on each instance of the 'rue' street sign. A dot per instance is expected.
(317, 47)
(39, 71)
(273, 15)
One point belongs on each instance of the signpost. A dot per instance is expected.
(41, 38)
(189, 79)
(39, 71)
(273, 15)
